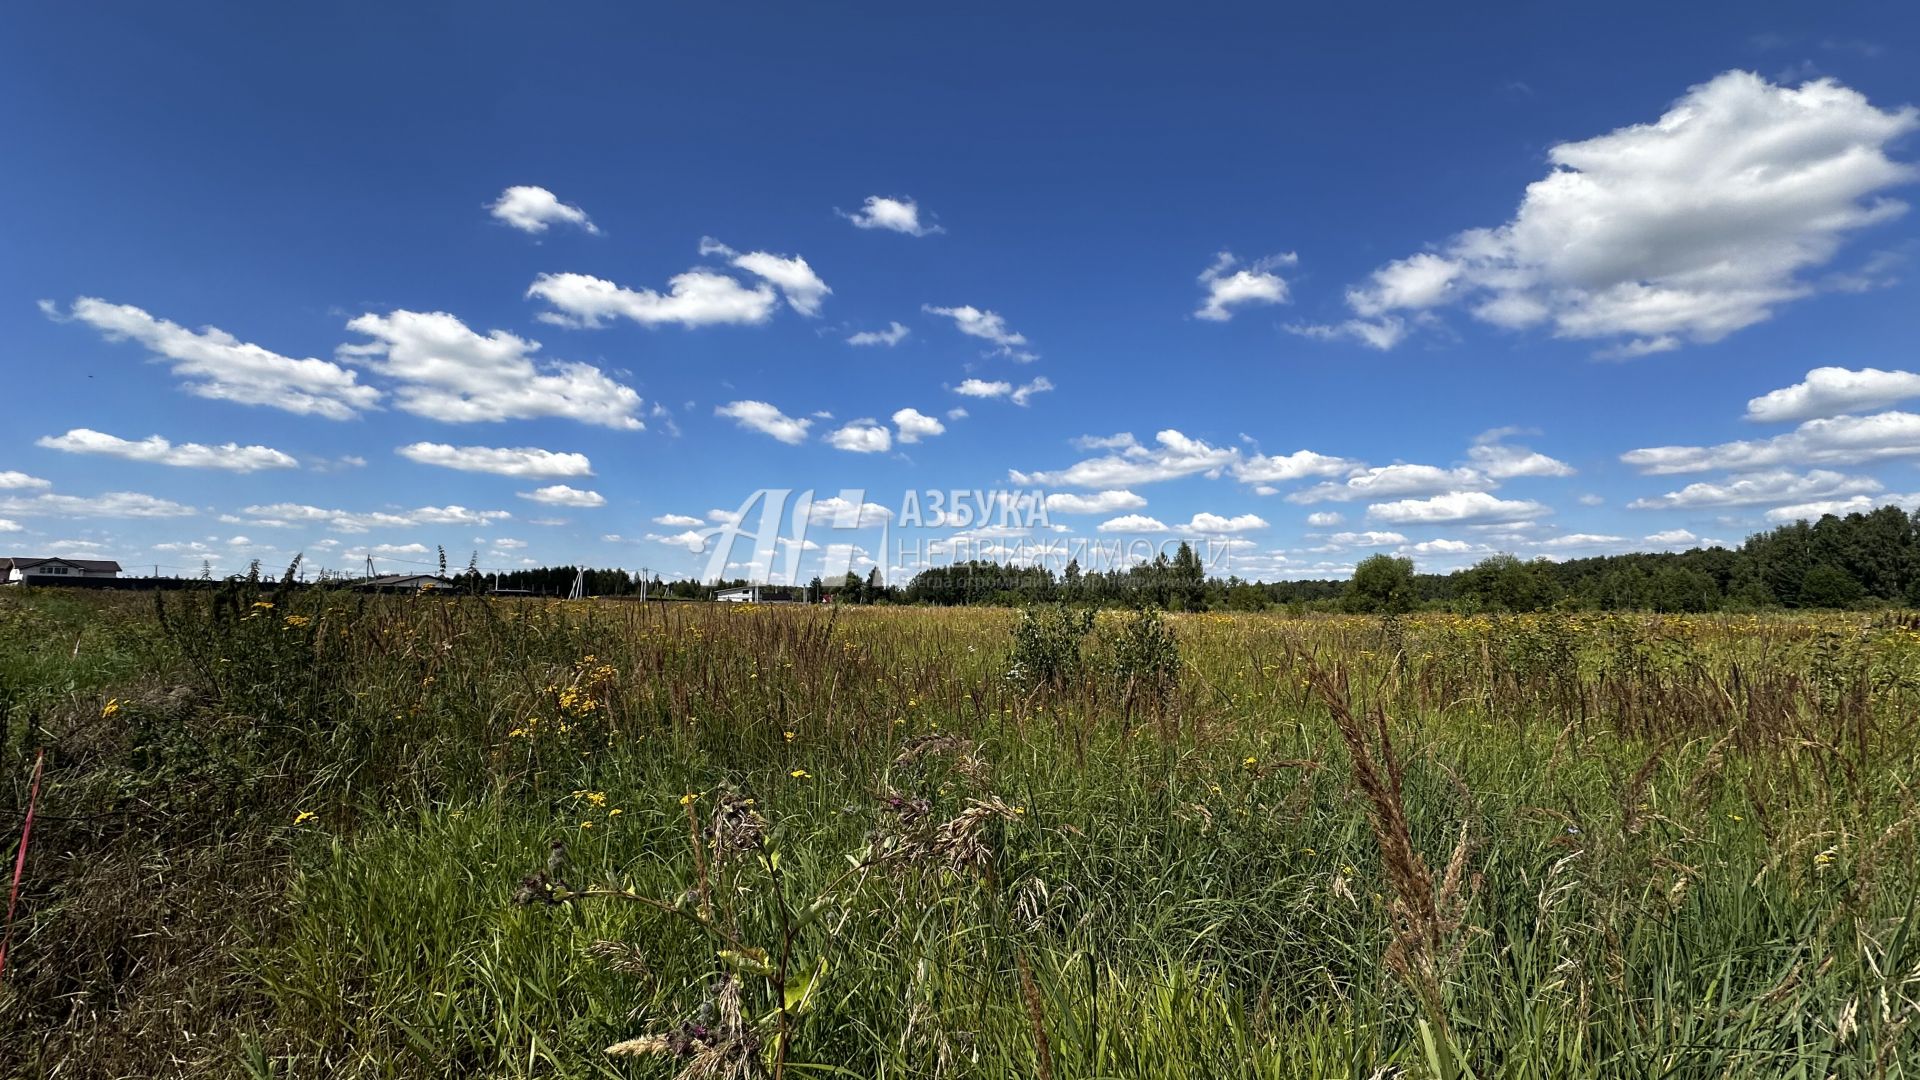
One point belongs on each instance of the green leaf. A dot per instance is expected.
(799, 997)
(752, 961)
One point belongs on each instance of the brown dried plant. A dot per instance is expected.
(1428, 919)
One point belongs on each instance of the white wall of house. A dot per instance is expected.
(54, 572)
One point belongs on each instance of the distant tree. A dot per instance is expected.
(1381, 583)
(1677, 588)
(1828, 586)
(1504, 583)
(1187, 578)
(1244, 596)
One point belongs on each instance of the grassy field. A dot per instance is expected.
(305, 834)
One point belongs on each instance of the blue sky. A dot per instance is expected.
(568, 287)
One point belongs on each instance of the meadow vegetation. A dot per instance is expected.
(293, 832)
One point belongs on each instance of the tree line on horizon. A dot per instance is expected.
(1869, 559)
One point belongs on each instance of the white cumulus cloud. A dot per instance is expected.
(564, 495)
(988, 326)
(863, 436)
(1023, 393)
(693, 298)
(1388, 480)
(983, 388)
(215, 364)
(1672, 538)
(791, 275)
(532, 209)
(915, 425)
(1455, 506)
(1491, 454)
(1279, 468)
(1100, 502)
(893, 335)
(764, 418)
(450, 373)
(1173, 455)
(1231, 284)
(288, 515)
(229, 457)
(1208, 524)
(1681, 230)
(1830, 391)
(111, 504)
(1132, 523)
(1836, 440)
(520, 461)
(1761, 488)
(1858, 504)
(1366, 538)
(893, 213)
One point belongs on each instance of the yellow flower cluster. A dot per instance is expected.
(533, 726)
(578, 702)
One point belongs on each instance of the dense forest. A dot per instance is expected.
(1860, 560)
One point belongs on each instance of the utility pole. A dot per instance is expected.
(646, 575)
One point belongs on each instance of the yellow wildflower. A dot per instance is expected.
(108, 710)
(303, 817)
(801, 774)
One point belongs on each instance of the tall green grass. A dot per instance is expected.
(1689, 840)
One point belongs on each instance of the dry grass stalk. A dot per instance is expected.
(1427, 918)
(1037, 1017)
(717, 1045)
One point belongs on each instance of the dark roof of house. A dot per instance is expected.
(398, 580)
(80, 564)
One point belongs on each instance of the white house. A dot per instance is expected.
(745, 594)
(55, 571)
